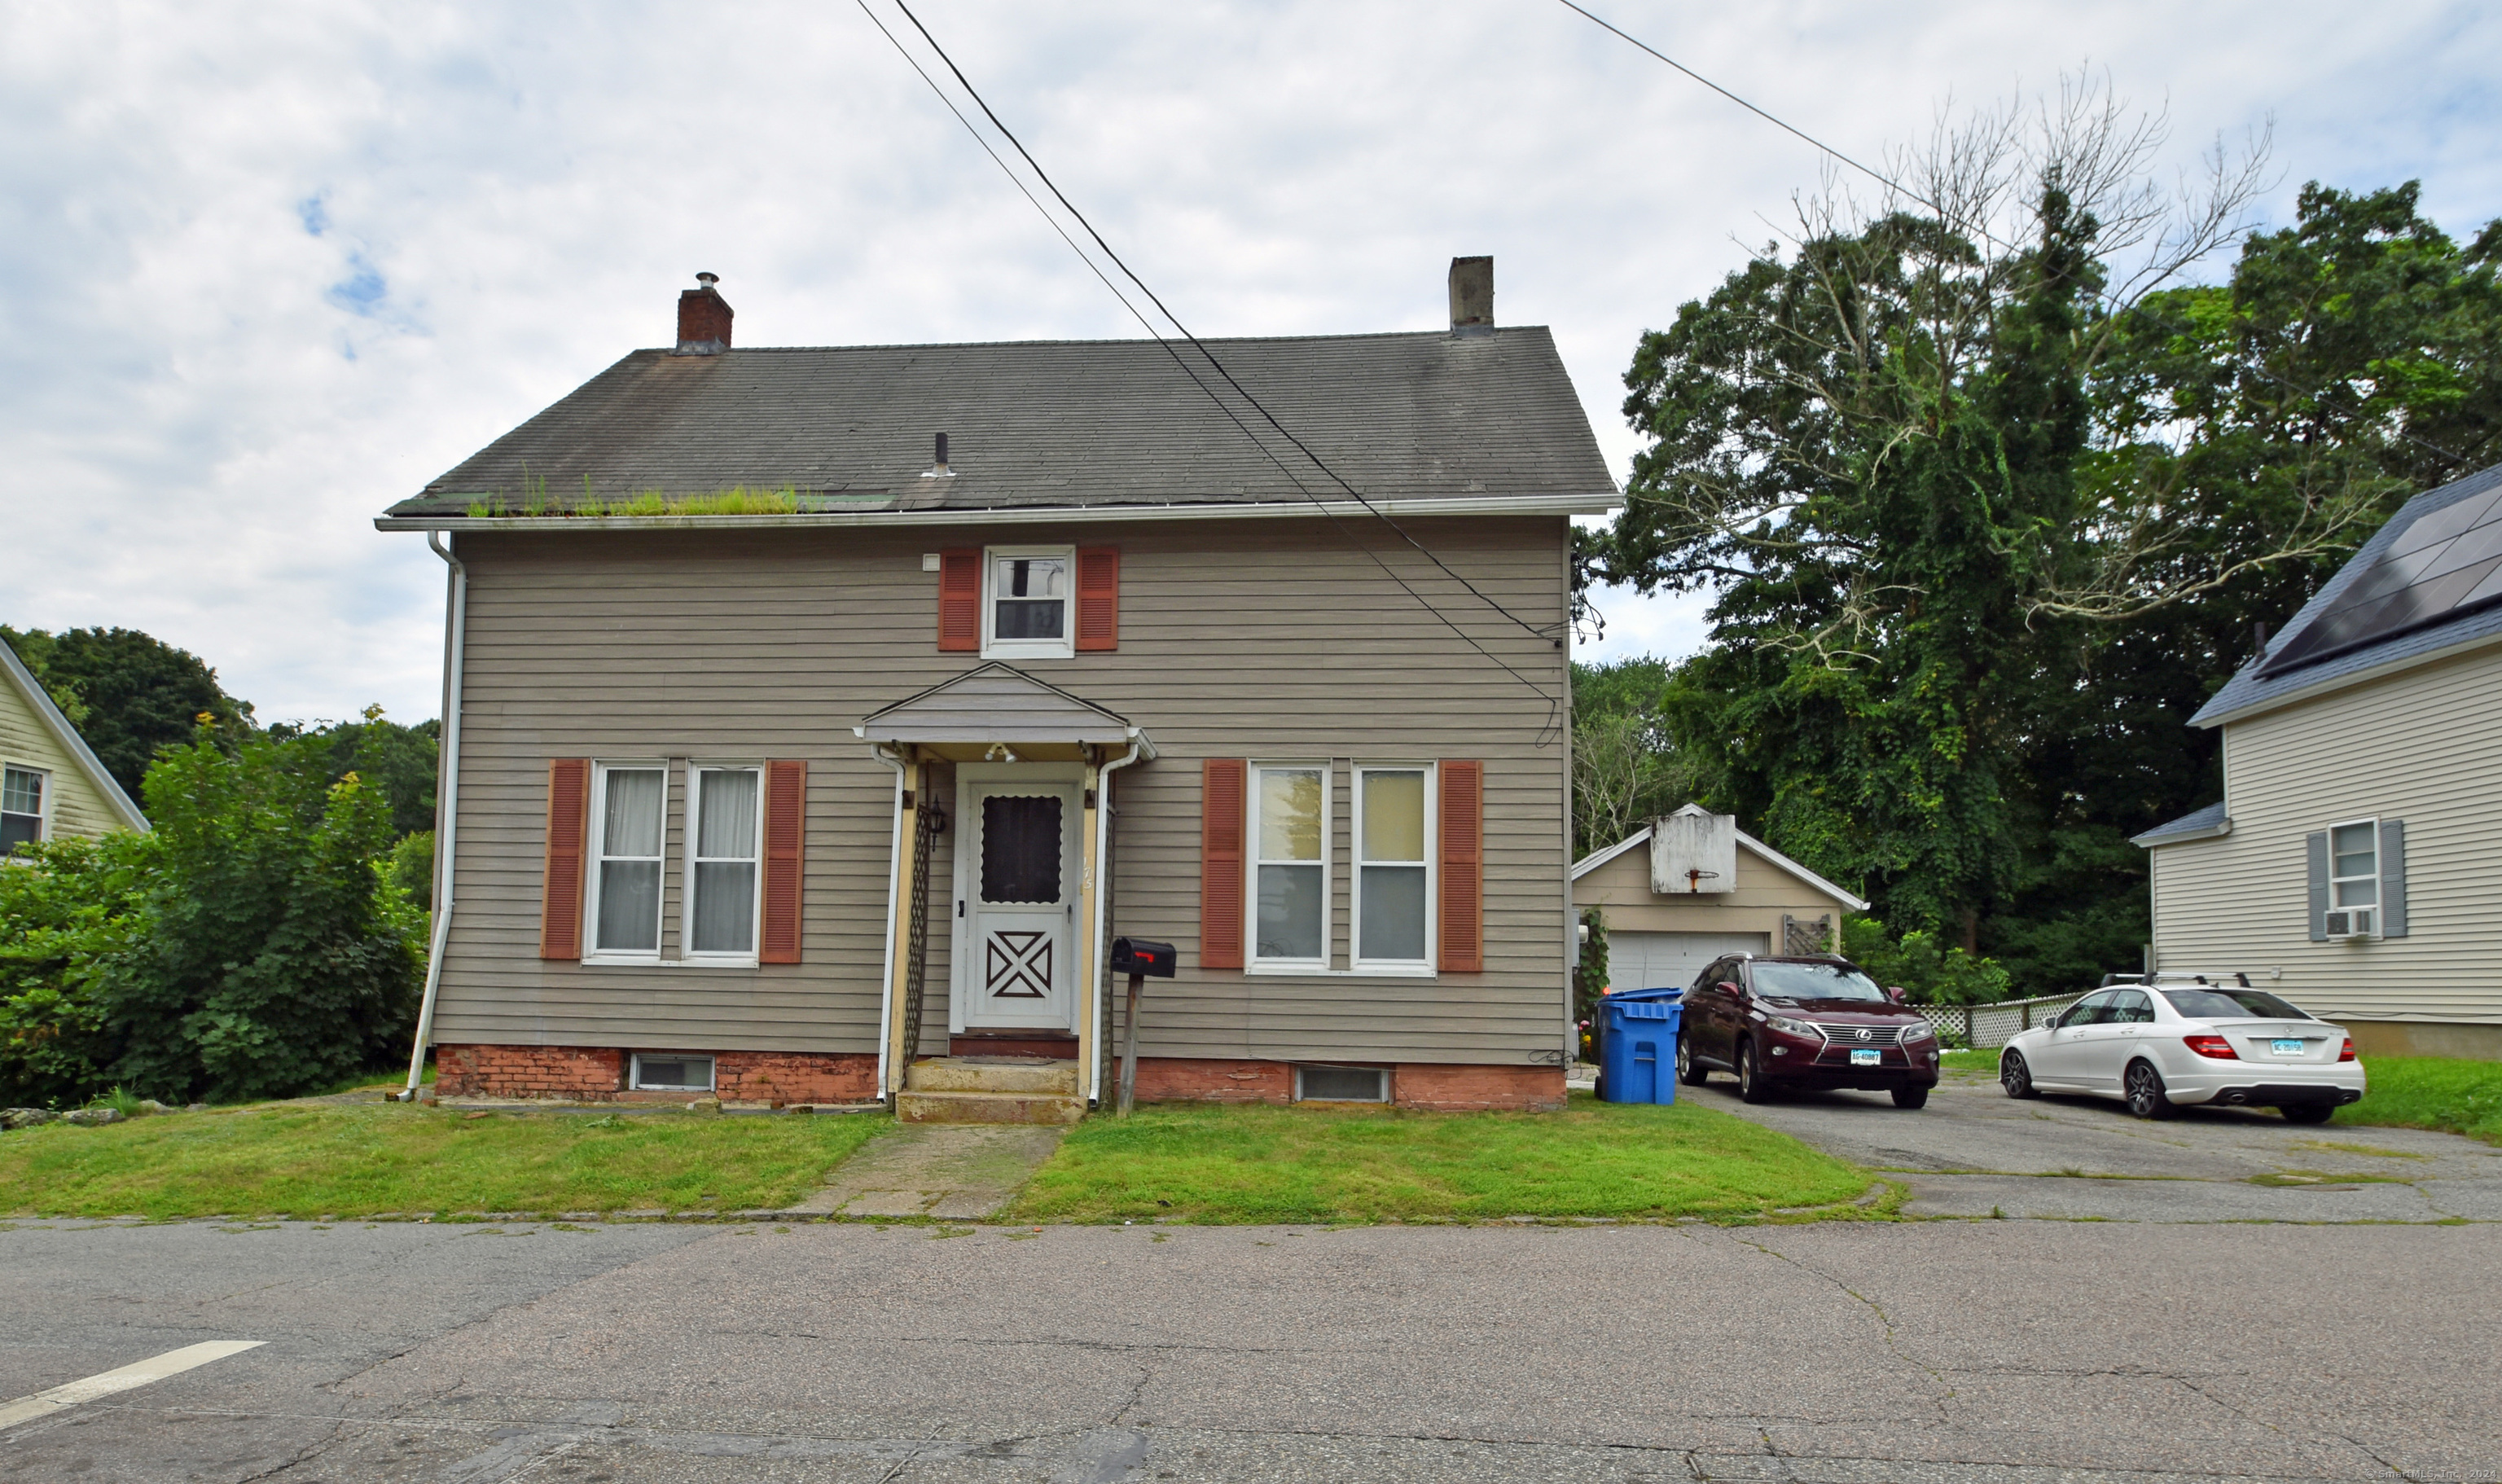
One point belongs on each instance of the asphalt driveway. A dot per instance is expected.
(1976, 1152)
(1856, 1353)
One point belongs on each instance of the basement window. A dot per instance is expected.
(672, 1073)
(1341, 1083)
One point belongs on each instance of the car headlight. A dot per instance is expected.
(1922, 1031)
(1797, 1027)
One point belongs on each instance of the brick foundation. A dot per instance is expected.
(597, 1074)
(1413, 1084)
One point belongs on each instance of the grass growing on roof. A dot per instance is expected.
(1217, 1164)
(362, 1158)
(2454, 1096)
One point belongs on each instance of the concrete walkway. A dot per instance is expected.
(946, 1171)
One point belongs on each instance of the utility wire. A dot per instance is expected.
(1978, 230)
(1553, 706)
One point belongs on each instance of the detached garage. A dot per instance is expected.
(1692, 887)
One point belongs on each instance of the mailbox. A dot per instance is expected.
(1137, 955)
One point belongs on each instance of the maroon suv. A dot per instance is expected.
(1803, 1022)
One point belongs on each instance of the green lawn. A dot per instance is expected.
(360, 1160)
(2431, 1093)
(1215, 1164)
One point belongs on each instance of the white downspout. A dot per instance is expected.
(446, 806)
(1138, 744)
(893, 863)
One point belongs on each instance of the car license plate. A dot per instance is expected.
(1872, 1058)
(2287, 1047)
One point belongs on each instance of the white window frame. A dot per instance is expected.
(2372, 827)
(995, 648)
(43, 803)
(711, 1070)
(1424, 968)
(1252, 962)
(597, 863)
(695, 769)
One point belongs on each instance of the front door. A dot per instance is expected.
(1016, 893)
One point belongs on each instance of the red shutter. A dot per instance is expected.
(1463, 903)
(960, 601)
(1099, 597)
(785, 841)
(568, 818)
(1221, 781)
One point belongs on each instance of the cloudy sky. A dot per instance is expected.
(266, 267)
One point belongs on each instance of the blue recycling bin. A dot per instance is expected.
(1638, 1045)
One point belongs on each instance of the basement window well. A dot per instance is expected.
(1341, 1083)
(672, 1074)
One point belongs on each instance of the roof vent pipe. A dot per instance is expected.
(938, 463)
(703, 318)
(1471, 294)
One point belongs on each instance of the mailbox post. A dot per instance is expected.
(1138, 957)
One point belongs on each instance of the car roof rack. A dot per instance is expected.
(2176, 976)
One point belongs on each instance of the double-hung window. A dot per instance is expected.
(21, 808)
(2354, 877)
(627, 806)
(1290, 890)
(1026, 602)
(1393, 869)
(721, 898)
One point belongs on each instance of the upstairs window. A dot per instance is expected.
(21, 808)
(1025, 609)
(625, 886)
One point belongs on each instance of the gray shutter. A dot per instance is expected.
(2393, 878)
(2317, 846)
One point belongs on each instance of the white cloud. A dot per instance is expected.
(266, 268)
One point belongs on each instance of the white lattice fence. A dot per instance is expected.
(1997, 1025)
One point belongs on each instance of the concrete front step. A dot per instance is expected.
(913, 1106)
(986, 1074)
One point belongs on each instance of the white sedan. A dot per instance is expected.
(2175, 1043)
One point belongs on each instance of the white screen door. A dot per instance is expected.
(1017, 868)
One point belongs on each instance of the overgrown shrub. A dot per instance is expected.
(1920, 961)
(251, 946)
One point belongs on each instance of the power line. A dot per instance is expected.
(1978, 230)
(1553, 706)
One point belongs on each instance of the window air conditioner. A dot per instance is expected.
(2345, 927)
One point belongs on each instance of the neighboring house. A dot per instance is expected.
(2350, 864)
(50, 784)
(779, 804)
(1693, 885)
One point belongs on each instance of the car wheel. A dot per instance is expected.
(1910, 1098)
(2017, 1077)
(2308, 1112)
(2145, 1095)
(1751, 1087)
(1689, 1072)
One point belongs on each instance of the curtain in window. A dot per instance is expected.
(629, 864)
(725, 915)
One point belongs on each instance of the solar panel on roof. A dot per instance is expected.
(2447, 562)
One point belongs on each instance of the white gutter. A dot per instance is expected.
(1033, 515)
(895, 860)
(1139, 747)
(447, 805)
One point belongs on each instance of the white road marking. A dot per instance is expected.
(172, 1362)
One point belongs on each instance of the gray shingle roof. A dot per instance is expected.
(1055, 423)
(2250, 688)
(2195, 822)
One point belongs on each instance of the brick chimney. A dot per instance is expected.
(704, 316)
(1471, 294)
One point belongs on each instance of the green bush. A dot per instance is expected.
(1933, 973)
(412, 868)
(251, 946)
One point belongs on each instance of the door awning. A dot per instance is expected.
(995, 704)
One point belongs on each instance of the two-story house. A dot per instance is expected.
(2350, 864)
(816, 713)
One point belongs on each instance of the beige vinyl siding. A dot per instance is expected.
(2416, 746)
(1621, 889)
(76, 807)
(1271, 639)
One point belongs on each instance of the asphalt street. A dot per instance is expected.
(1976, 1152)
(1977, 1352)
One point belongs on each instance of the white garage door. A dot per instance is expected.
(1653, 961)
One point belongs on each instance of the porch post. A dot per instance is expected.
(907, 865)
(1089, 966)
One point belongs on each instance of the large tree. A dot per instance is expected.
(1987, 497)
(129, 694)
